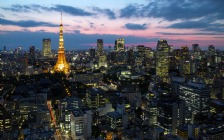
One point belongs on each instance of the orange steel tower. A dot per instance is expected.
(61, 65)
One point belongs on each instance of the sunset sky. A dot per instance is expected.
(181, 22)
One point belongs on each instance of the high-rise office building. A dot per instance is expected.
(185, 61)
(130, 57)
(31, 58)
(185, 54)
(171, 115)
(99, 47)
(211, 55)
(211, 50)
(196, 95)
(139, 60)
(162, 60)
(119, 45)
(196, 50)
(102, 61)
(61, 65)
(171, 111)
(5, 120)
(92, 52)
(32, 51)
(141, 51)
(46, 50)
(148, 53)
(195, 47)
(149, 58)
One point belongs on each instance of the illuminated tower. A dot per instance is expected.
(61, 65)
(162, 60)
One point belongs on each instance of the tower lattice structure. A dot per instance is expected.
(61, 65)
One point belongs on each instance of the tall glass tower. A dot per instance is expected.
(162, 60)
(46, 51)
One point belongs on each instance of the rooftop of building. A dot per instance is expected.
(77, 112)
(3, 113)
(213, 130)
(114, 114)
(69, 99)
(197, 83)
(95, 91)
(176, 79)
(217, 102)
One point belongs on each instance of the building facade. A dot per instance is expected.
(99, 47)
(119, 45)
(81, 123)
(162, 60)
(46, 50)
(196, 95)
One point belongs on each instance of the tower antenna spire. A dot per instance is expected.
(61, 16)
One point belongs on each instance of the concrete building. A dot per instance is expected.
(170, 115)
(94, 98)
(81, 123)
(196, 94)
(5, 121)
(115, 120)
(65, 107)
(213, 133)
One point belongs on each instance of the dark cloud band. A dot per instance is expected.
(132, 26)
(26, 23)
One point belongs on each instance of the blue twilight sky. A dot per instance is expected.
(182, 22)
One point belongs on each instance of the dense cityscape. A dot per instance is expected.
(112, 70)
(122, 92)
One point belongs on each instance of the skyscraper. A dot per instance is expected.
(61, 65)
(185, 61)
(32, 50)
(195, 48)
(92, 52)
(46, 50)
(162, 60)
(141, 51)
(171, 111)
(119, 45)
(211, 50)
(99, 47)
(130, 57)
(171, 114)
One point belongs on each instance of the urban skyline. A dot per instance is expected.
(139, 23)
(139, 93)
